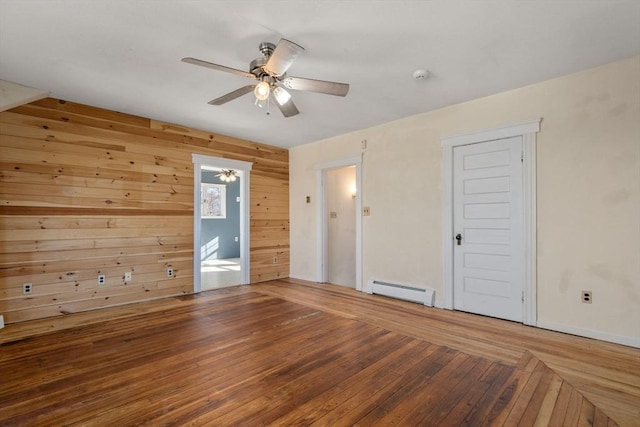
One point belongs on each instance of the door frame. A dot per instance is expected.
(201, 162)
(527, 130)
(322, 218)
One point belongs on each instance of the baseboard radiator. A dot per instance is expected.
(403, 292)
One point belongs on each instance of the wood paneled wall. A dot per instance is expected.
(86, 191)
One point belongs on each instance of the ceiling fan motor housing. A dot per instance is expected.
(266, 49)
(256, 67)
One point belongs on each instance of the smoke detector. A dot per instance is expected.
(420, 74)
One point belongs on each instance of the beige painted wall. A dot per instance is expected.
(588, 196)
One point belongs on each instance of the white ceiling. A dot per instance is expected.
(124, 55)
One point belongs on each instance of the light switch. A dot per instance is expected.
(334, 214)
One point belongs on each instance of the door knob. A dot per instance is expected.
(459, 239)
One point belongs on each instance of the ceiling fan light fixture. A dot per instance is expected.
(281, 95)
(262, 91)
(228, 175)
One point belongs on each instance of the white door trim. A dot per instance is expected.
(321, 215)
(244, 168)
(527, 130)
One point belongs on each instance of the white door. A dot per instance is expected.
(488, 270)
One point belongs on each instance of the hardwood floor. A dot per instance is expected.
(293, 353)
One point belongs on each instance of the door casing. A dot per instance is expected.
(527, 130)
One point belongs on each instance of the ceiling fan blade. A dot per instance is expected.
(320, 86)
(219, 67)
(232, 95)
(288, 109)
(282, 57)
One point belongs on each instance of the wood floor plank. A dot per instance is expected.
(549, 401)
(448, 395)
(353, 410)
(586, 413)
(423, 388)
(470, 405)
(572, 414)
(534, 407)
(286, 353)
(234, 377)
(562, 402)
(353, 393)
(368, 378)
(503, 400)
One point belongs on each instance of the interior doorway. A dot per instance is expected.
(220, 228)
(221, 222)
(339, 189)
(489, 221)
(340, 195)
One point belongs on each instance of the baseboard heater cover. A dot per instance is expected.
(403, 292)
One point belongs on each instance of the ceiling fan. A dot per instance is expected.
(227, 175)
(271, 73)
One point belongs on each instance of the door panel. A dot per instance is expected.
(487, 208)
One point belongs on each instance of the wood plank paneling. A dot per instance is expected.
(86, 191)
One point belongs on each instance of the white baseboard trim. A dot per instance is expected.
(588, 333)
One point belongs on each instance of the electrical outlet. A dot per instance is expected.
(169, 272)
(127, 276)
(27, 288)
(275, 259)
(102, 279)
(366, 211)
(586, 297)
(237, 238)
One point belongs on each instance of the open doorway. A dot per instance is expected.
(340, 223)
(221, 222)
(340, 198)
(220, 228)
